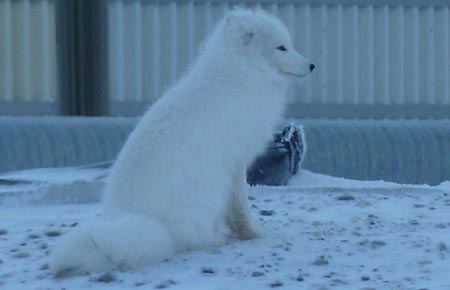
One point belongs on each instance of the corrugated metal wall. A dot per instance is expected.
(364, 54)
(376, 55)
(27, 51)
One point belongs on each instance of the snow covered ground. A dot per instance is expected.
(321, 233)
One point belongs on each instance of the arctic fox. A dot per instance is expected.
(179, 182)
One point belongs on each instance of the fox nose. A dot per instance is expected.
(311, 67)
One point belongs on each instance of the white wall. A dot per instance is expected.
(27, 51)
(375, 54)
(368, 54)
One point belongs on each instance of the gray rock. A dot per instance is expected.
(107, 277)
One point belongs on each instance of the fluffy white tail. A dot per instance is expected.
(124, 243)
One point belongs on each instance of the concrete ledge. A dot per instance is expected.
(30, 108)
(372, 111)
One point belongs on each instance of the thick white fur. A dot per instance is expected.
(179, 182)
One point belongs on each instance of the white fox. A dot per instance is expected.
(179, 182)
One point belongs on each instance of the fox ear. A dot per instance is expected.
(232, 16)
(239, 23)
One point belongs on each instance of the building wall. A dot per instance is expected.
(379, 58)
(377, 53)
(28, 71)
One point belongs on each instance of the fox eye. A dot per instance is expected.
(281, 48)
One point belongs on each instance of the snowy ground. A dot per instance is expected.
(321, 233)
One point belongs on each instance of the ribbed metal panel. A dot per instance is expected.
(400, 151)
(30, 142)
(27, 51)
(374, 53)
